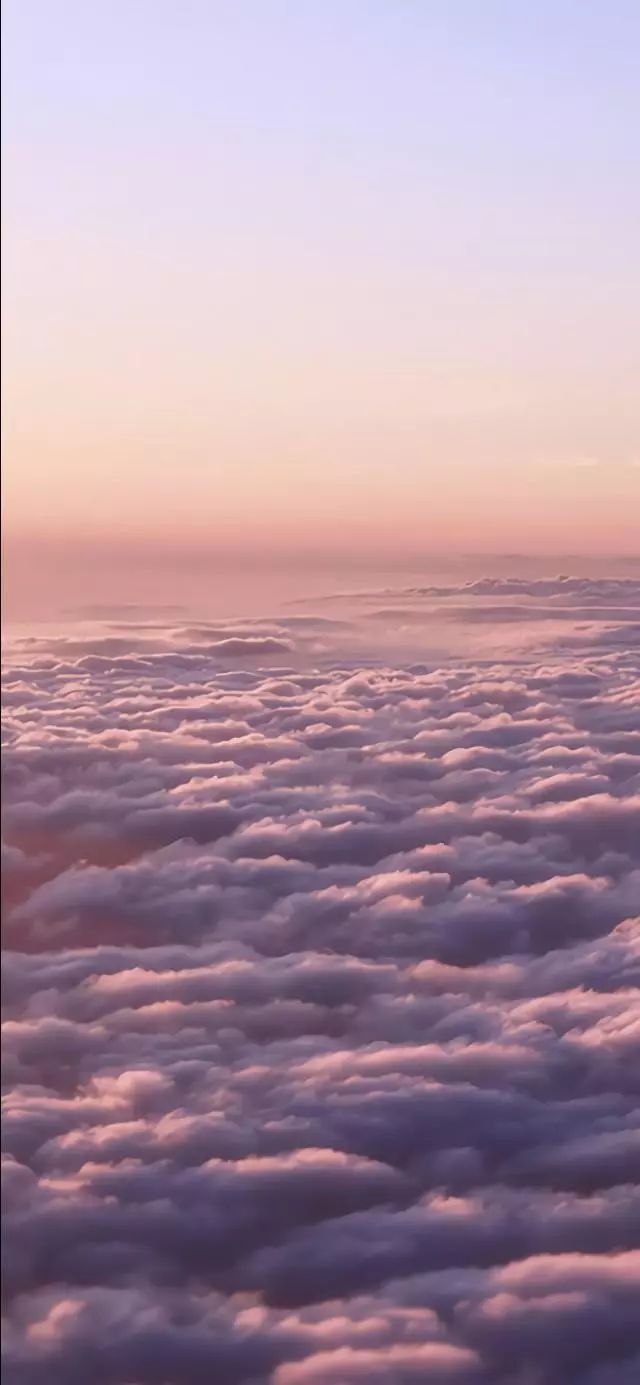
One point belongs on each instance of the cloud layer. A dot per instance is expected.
(321, 1007)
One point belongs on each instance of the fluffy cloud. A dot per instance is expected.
(321, 1008)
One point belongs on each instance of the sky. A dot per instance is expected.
(341, 283)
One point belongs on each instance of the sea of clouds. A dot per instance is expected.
(321, 1015)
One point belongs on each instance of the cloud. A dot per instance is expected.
(321, 1000)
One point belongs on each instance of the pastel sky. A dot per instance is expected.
(350, 277)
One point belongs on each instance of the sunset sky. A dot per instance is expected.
(320, 281)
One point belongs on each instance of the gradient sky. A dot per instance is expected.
(345, 276)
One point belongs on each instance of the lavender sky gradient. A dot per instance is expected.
(344, 280)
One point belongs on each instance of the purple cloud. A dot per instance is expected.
(321, 1002)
